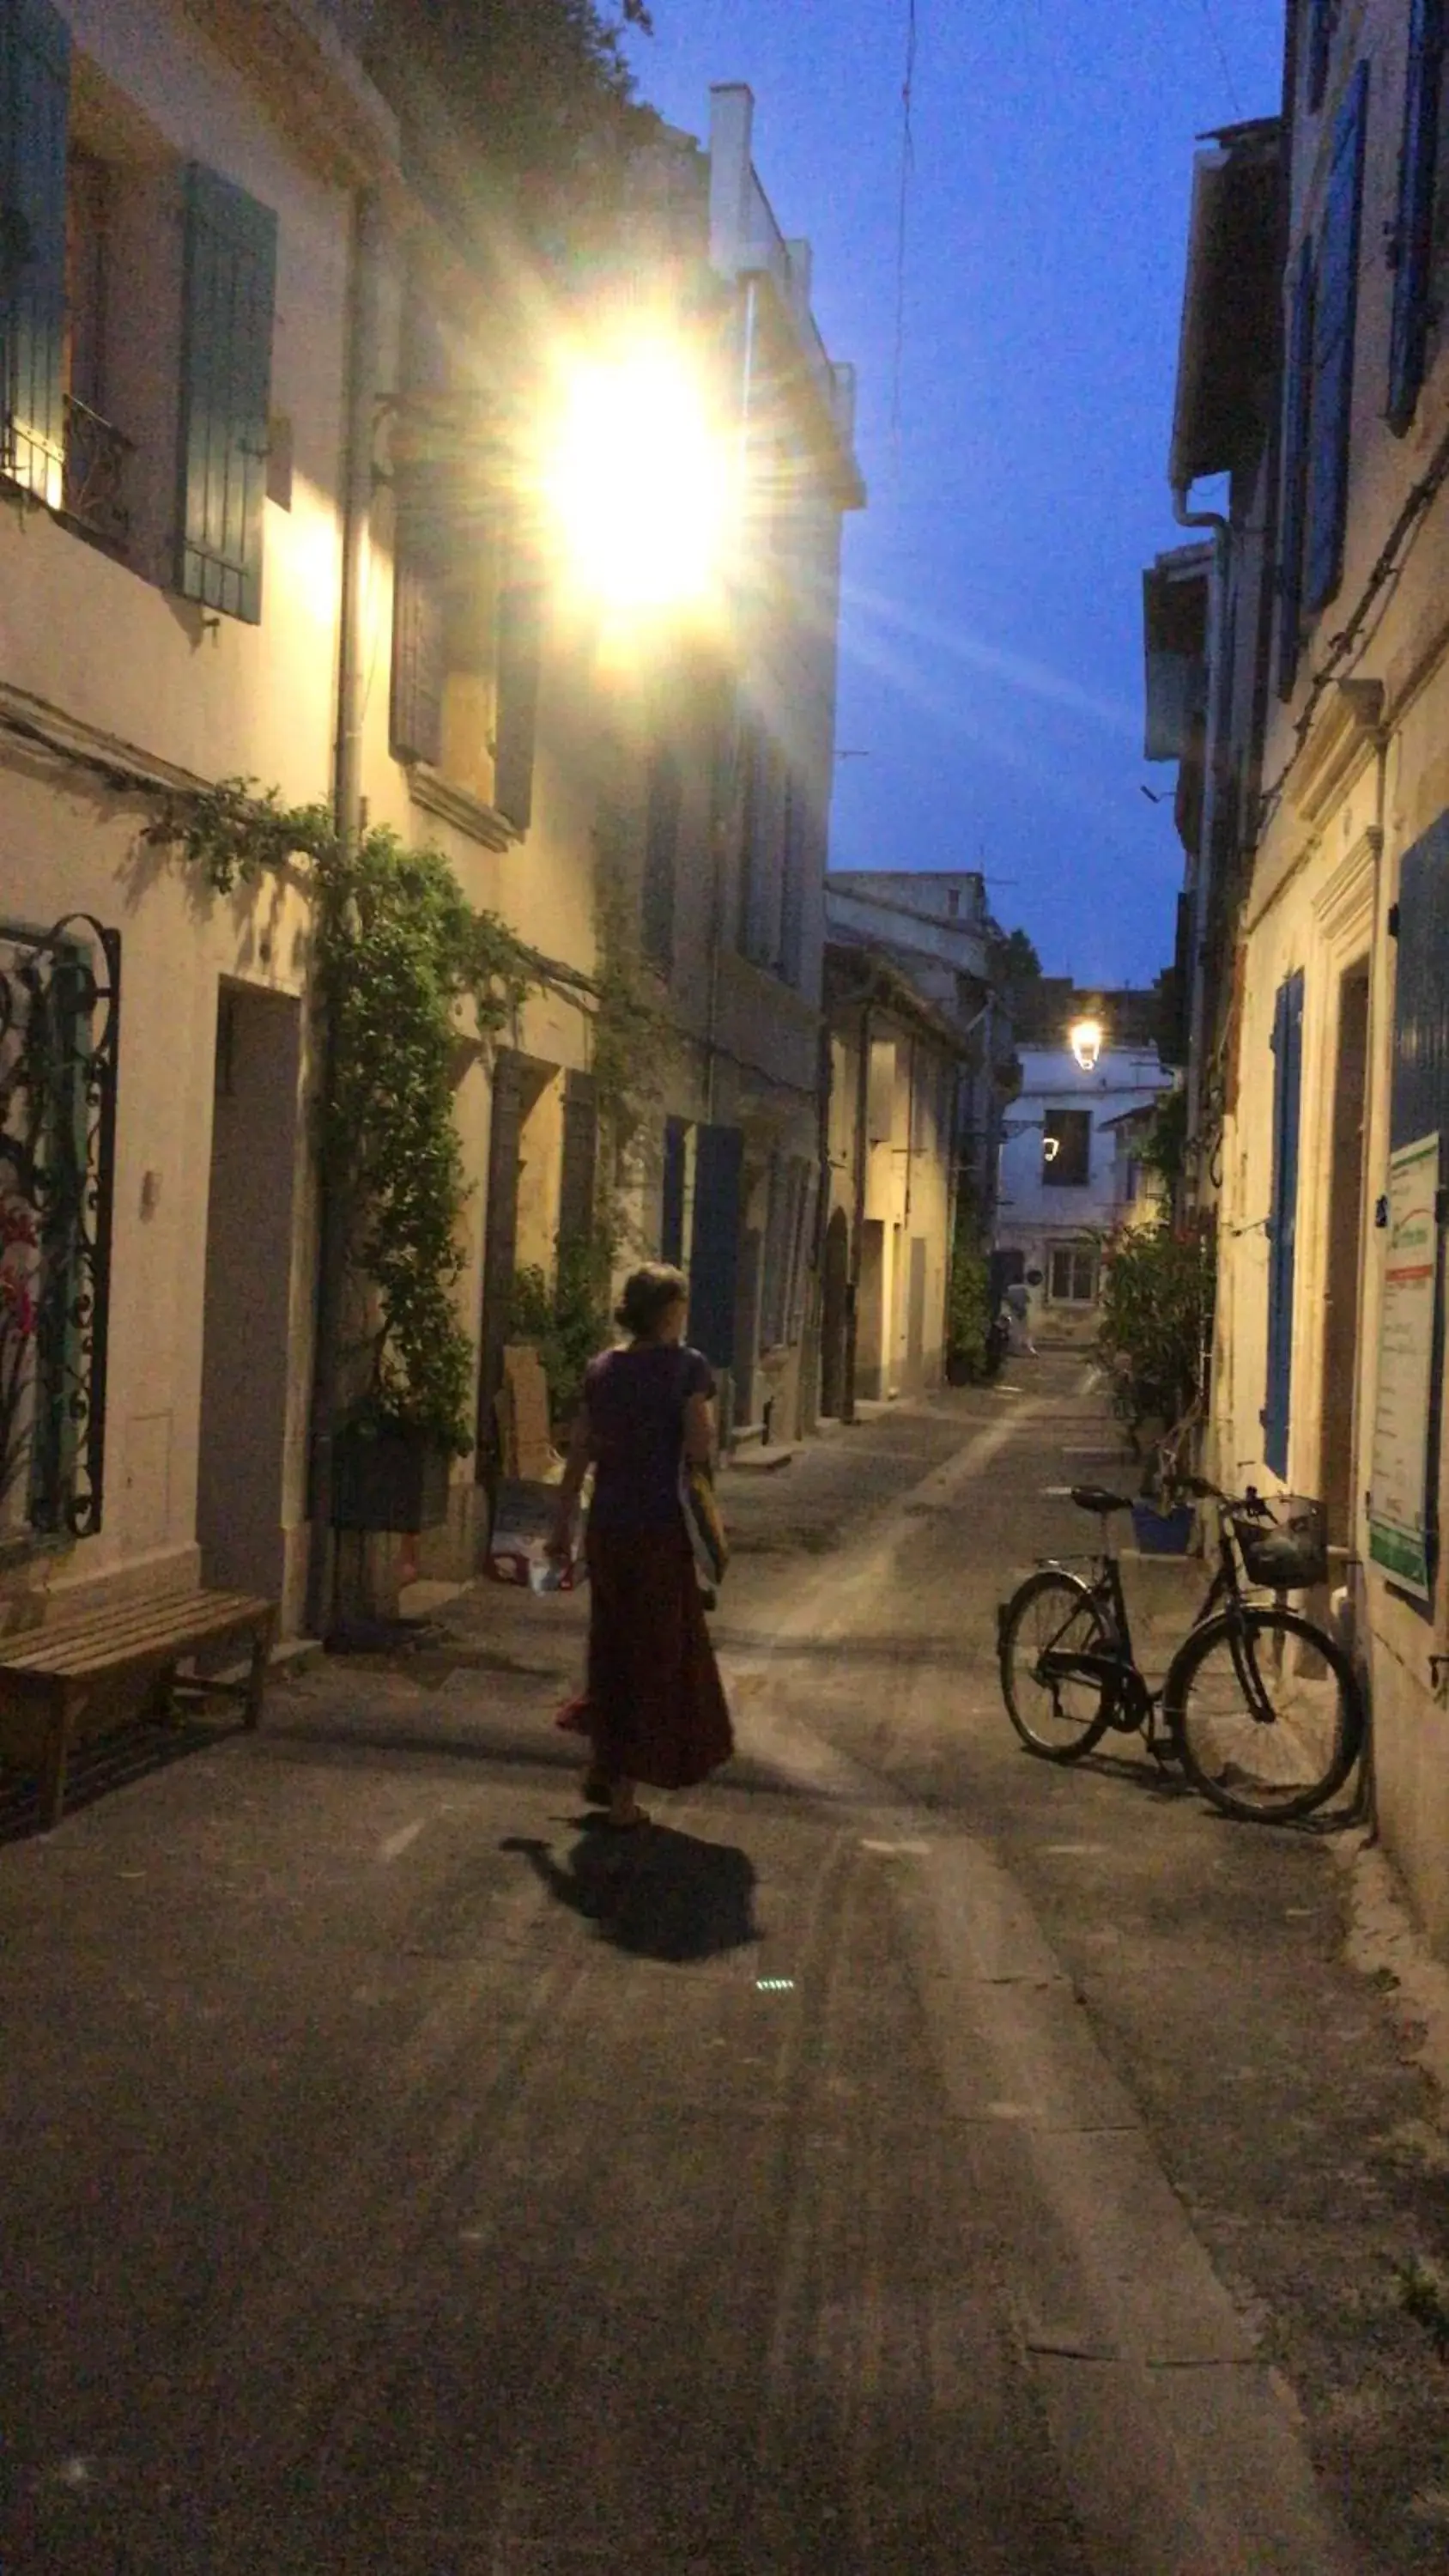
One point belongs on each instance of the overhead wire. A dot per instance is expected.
(1216, 34)
(908, 157)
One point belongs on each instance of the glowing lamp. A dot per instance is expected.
(637, 480)
(1084, 1037)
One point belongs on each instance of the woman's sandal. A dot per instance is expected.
(629, 1823)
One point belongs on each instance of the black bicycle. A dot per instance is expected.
(1261, 1706)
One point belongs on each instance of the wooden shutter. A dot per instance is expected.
(715, 1249)
(226, 382)
(1298, 387)
(578, 1161)
(520, 617)
(34, 117)
(1283, 1217)
(661, 853)
(1335, 305)
(1413, 238)
(671, 1201)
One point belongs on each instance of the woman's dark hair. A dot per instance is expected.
(649, 1292)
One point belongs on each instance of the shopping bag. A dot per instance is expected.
(523, 1523)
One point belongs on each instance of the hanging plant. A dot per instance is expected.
(402, 959)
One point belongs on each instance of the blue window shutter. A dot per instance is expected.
(226, 383)
(1322, 18)
(1298, 388)
(715, 1249)
(579, 1162)
(792, 898)
(1414, 225)
(661, 853)
(1283, 1220)
(1335, 304)
(1420, 1097)
(34, 118)
(671, 1201)
(520, 627)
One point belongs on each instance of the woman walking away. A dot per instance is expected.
(654, 1709)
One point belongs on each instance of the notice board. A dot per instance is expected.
(1400, 1496)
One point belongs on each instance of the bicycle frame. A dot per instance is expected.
(1119, 1673)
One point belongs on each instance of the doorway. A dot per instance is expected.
(834, 1314)
(1341, 1268)
(246, 1315)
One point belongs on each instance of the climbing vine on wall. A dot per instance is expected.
(403, 965)
(635, 1035)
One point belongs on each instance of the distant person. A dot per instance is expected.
(654, 1707)
(1017, 1301)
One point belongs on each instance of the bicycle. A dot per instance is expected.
(1260, 1705)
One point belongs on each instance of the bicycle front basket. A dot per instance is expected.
(1289, 1552)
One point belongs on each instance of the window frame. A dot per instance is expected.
(1080, 1127)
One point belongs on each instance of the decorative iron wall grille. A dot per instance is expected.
(60, 998)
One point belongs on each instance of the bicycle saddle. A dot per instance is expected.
(1095, 1498)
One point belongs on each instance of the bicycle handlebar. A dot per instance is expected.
(1201, 1489)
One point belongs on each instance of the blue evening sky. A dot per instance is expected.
(991, 660)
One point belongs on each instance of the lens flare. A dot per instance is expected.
(637, 482)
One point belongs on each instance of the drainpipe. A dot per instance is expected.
(363, 368)
(857, 1231)
(1222, 537)
(731, 800)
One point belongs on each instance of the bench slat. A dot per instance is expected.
(172, 1627)
(120, 1615)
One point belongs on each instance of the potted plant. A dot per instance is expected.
(1157, 1302)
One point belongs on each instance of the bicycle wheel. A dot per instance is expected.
(1266, 1711)
(1060, 1716)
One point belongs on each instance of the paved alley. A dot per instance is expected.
(908, 2158)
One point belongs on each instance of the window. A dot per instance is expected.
(1283, 1216)
(1334, 308)
(34, 122)
(226, 379)
(467, 608)
(1073, 1274)
(59, 1008)
(1066, 1148)
(1412, 239)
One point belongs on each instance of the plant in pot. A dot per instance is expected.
(1154, 1336)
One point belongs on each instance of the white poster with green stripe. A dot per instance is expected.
(1399, 1497)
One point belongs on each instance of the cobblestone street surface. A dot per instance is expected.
(907, 2157)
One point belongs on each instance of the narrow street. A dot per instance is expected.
(908, 2158)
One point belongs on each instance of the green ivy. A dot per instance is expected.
(399, 952)
(566, 1319)
(1157, 1311)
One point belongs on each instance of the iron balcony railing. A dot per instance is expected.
(97, 457)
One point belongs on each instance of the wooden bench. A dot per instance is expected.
(51, 1676)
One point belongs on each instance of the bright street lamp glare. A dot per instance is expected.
(637, 483)
(1086, 1042)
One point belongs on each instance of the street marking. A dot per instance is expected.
(868, 1845)
(774, 1985)
(396, 1844)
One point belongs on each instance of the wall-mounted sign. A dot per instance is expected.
(1399, 1498)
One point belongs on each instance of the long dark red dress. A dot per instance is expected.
(654, 1709)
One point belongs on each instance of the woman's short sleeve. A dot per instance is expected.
(698, 1375)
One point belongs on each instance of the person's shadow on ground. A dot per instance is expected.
(657, 1893)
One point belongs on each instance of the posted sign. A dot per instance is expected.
(1399, 1501)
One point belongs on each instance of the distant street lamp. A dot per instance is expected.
(1085, 1038)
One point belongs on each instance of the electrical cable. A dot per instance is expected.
(1215, 33)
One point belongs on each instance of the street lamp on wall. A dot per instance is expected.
(1086, 1039)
